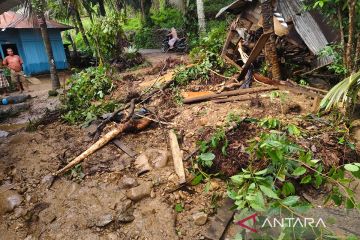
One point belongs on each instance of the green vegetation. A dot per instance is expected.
(85, 100)
(278, 170)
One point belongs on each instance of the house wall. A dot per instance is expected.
(10, 36)
(32, 50)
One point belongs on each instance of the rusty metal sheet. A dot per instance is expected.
(12, 19)
(233, 7)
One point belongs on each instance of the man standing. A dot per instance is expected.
(14, 63)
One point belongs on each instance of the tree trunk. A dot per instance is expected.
(81, 28)
(179, 4)
(119, 5)
(350, 44)
(342, 34)
(102, 8)
(357, 54)
(270, 47)
(201, 17)
(45, 35)
(68, 36)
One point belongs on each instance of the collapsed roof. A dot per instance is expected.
(310, 27)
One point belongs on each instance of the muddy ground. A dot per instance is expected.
(98, 200)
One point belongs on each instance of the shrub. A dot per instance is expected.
(145, 39)
(168, 18)
(84, 101)
(212, 43)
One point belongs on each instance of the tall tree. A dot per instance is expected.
(37, 7)
(350, 43)
(270, 47)
(201, 17)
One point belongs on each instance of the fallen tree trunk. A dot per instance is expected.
(229, 93)
(100, 143)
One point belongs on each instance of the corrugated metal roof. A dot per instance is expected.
(14, 20)
(233, 8)
(6, 5)
(304, 23)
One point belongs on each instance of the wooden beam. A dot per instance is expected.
(177, 157)
(260, 44)
(229, 93)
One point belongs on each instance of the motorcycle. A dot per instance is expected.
(179, 46)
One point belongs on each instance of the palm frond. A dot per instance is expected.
(340, 93)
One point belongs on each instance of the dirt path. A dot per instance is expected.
(105, 198)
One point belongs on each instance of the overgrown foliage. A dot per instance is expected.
(279, 169)
(206, 56)
(107, 35)
(345, 92)
(85, 99)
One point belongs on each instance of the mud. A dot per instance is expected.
(92, 201)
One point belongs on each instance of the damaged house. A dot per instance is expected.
(301, 36)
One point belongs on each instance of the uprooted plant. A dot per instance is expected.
(85, 99)
(279, 169)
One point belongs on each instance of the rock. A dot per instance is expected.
(214, 185)
(9, 200)
(126, 217)
(47, 216)
(19, 212)
(3, 134)
(151, 158)
(142, 164)
(124, 206)
(104, 220)
(319, 83)
(200, 218)
(139, 192)
(128, 182)
(48, 180)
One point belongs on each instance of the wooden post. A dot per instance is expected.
(177, 157)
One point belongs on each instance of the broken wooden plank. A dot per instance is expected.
(228, 93)
(195, 94)
(219, 223)
(316, 105)
(177, 157)
(124, 148)
(260, 44)
(235, 99)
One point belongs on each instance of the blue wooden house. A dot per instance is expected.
(24, 37)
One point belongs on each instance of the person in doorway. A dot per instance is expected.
(14, 64)
(174, 38)
(4, 84)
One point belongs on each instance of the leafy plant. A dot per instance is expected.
(270, 123)
(336, 52)
(344, 92)
(287, 163)
(107, 35)
(206, 159)
(168, 18)
(179, 207)
(84, 100)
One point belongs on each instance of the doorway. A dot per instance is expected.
(10, 45)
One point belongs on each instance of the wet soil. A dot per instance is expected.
(91, 201)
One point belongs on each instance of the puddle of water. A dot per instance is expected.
(12, 127)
